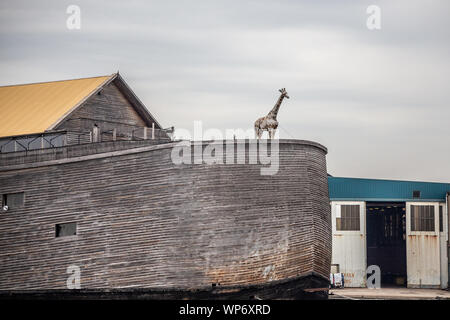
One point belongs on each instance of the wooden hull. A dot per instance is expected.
(309, 287)
(144, 222)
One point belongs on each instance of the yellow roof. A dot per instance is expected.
(36, 107)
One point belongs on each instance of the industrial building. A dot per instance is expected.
(400, 226)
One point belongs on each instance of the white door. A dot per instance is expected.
(443, 236)
(422, 245)
(349, 241)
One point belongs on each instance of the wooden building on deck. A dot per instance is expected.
(59, 113)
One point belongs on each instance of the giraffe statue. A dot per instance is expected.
(270, 122)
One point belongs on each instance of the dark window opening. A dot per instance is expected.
(441, 216)
(65, 229)
(349, 220)
(416, 194)
(422, 218)
(13, 200)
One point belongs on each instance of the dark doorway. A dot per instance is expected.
(386, 240)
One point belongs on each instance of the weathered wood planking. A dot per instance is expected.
(109, 109)
(144, 222)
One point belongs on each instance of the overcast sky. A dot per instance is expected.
(377, 99)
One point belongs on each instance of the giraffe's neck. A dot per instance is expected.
(273, 113)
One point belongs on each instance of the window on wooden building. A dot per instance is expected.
(13, 200)
(422, 218)
(348, 220)
(441, 216)
(65, 229)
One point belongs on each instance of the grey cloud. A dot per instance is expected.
(377, 99)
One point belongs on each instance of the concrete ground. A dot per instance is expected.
(389, 294)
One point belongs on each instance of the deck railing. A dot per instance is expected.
(64, 138)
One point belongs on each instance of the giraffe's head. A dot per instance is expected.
(284, 93)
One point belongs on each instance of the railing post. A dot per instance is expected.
(114, 134)
(95, 134)
(153, 131)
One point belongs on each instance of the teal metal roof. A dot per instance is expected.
(385, 190)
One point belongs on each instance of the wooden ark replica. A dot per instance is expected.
(87, 180)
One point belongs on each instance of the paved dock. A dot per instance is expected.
(389, 294)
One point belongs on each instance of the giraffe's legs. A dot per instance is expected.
(271, 132)
(258, 132)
